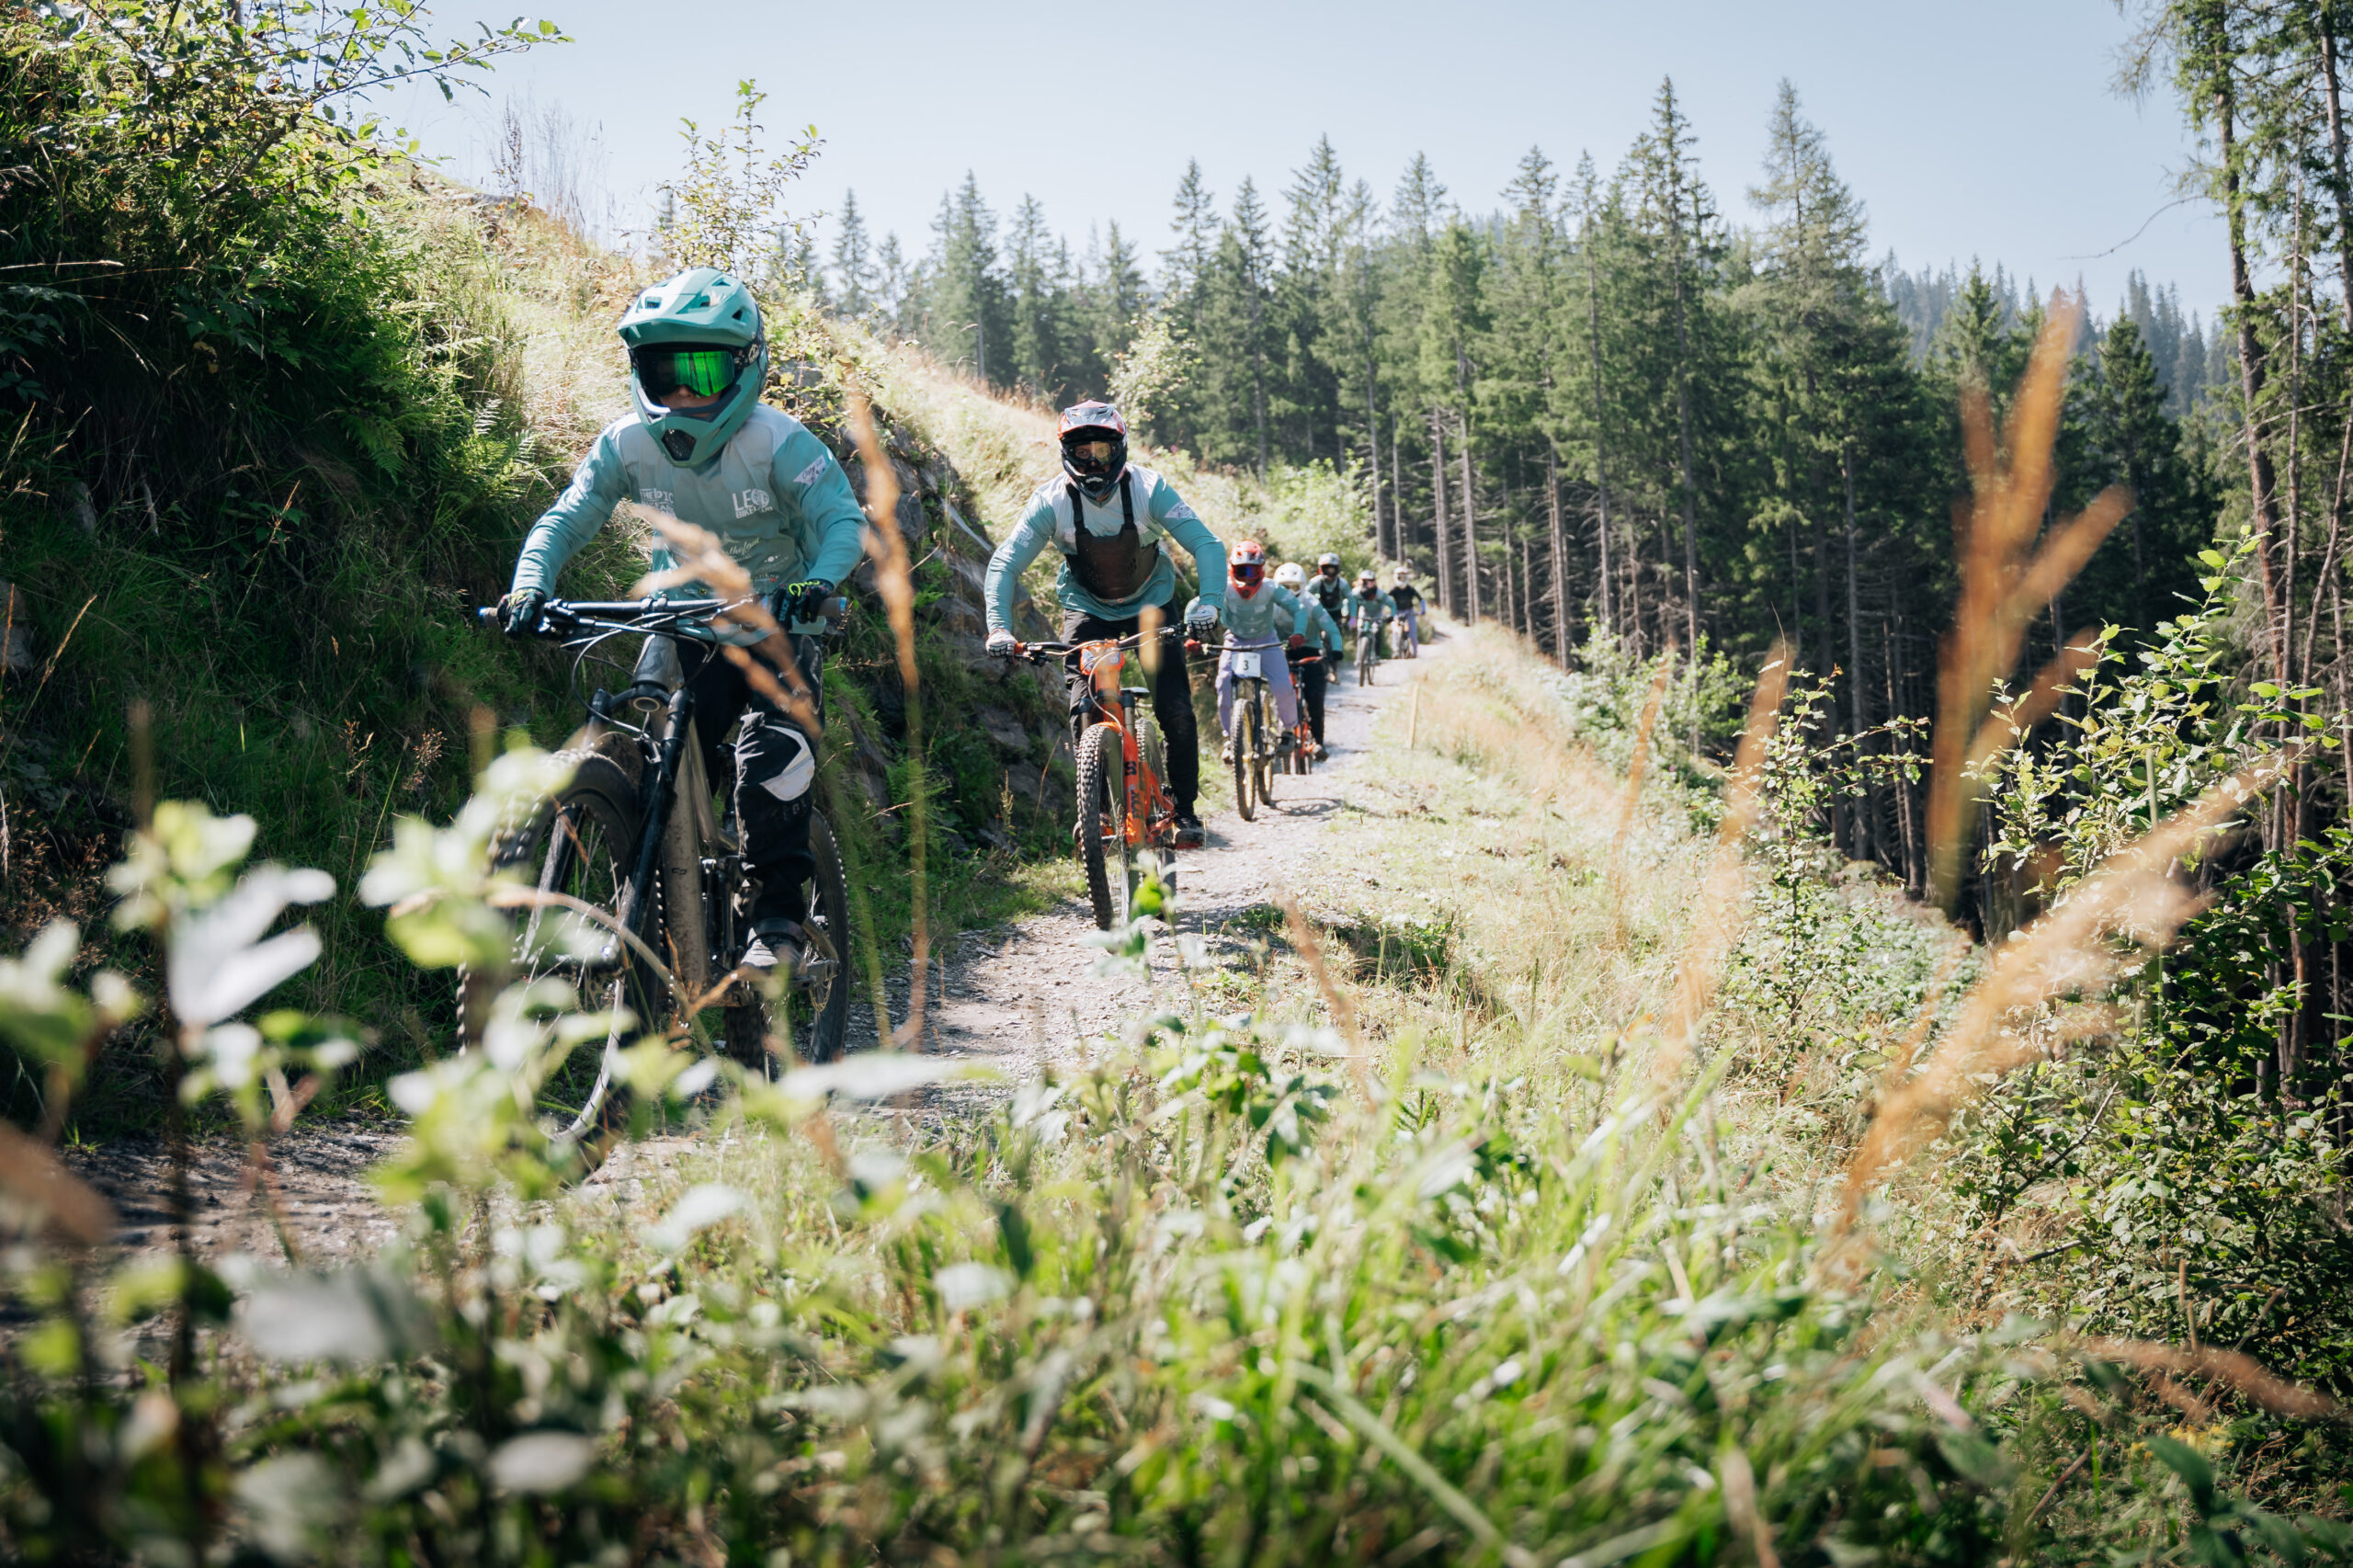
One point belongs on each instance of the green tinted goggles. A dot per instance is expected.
(664, 368)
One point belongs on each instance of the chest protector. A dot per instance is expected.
(1113, 566)
(1330, 591)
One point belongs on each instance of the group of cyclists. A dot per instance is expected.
(701, 446)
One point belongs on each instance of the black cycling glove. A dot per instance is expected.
(804, 601)
(518, 612)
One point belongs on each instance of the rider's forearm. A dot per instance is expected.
(1012, 558)
(805, 471)
(583, 508)
(1208, 556)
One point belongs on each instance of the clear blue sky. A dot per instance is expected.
(1986, 129)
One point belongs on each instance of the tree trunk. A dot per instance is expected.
(1859, 714)
(2252, 376)
(1470, 525)
(1605, 585)
(1372, 436)
(1437, 496)
(1560, 554)
(1396, 492)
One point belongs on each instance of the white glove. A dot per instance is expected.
(1201, 620)
(1002, 644)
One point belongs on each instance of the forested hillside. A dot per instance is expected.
(1605, 408)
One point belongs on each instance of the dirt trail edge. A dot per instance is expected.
(1016, 996)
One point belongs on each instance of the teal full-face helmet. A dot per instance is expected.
(700, 331)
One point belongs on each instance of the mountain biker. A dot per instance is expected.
(1251, 606)
(1315, 628)
(703, 447)
(1107, 517)
(1368, 609)
(1408, 600)
(1331, 589)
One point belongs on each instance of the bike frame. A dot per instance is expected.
(1149, 818)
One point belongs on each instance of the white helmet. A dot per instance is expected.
(1290, 575)
(1401, 575)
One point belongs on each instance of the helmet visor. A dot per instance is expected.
(1249, 574)
(663, 369)
(1091, 454)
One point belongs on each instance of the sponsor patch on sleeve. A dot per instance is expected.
(1181, 513)
(810, 475)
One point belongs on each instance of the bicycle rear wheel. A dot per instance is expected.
(1102, 823)
(581, 845)
(811, 1017)
(1368, 654)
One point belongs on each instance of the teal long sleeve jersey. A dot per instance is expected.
(775, 496)
(1048, 520)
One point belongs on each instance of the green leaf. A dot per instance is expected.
(2191, 1465)
(2213, 557)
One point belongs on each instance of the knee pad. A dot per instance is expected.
(787, 769)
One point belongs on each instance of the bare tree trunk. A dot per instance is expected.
(1438, 495)
(1560, 554)
(1372, 436)
(1469, 524)
(2253, 374)
(1860, 716)
(1396, 492)
(1600, 453)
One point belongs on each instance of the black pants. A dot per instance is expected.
(1172, 697)
(774, 765)
(1310, 676)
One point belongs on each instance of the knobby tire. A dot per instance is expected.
(809, 1020)
(1102, 821)
(1244, 743)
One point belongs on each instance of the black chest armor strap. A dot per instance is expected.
(1116, 567)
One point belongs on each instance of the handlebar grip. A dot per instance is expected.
(487, 614)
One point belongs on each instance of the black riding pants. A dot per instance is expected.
(1172, 697)
(774, 765)
(1310, 676)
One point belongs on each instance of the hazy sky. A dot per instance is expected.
(1981, 129)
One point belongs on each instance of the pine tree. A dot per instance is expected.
(854, 275)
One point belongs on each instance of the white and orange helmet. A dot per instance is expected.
(1245, 567)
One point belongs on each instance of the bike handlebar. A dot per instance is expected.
(657, 618)
(1039, 652)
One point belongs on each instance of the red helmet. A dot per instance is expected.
(1245, 566)
(1094, 447)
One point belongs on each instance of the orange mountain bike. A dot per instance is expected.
(1127, 819)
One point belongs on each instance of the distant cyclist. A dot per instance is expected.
(1331, 589)
(1107, 517)
(1252, 605)
(1408, 600)
(1369, 609)
(702, 448)
(1314, 631)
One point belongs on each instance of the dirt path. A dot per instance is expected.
(1023, 994)
(1016, 996)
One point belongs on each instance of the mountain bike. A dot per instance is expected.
(1258, 729)
(1409, 634)
(636, 836)
(1302, 759)
(1126, 817)
(1368, 652)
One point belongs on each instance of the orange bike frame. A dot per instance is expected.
(1142, 792)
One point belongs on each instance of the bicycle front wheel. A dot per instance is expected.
(1367, 657)
(580, 845)
(810, 1018)
(1245, 742)
(1102, 824)
(1269, 731)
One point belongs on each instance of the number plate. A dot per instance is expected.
(1246, 666)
